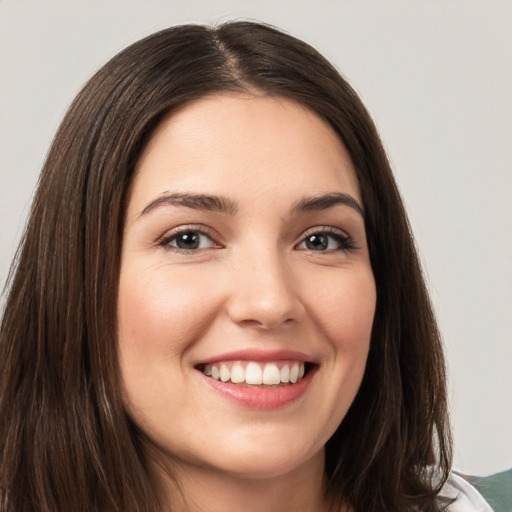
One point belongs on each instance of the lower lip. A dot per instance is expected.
(260, 398)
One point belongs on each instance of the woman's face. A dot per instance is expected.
(244, 265)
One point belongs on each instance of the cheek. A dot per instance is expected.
(160, 316)
(346, 311)
(344, 314)
(157, 312)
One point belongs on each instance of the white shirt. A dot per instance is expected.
(467, 497)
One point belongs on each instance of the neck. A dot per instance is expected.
(189, 488)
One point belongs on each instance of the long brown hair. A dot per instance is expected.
(66, 443)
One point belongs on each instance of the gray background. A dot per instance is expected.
(437, 78)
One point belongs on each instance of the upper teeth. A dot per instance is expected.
(256, 373)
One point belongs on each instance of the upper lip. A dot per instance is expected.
(259, 355)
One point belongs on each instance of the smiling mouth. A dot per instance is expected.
(252, 373)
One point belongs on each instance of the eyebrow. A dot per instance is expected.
(327, 201)
(197, 201)
(225, 205)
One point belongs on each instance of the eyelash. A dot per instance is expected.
(165, 242)
(344, 241)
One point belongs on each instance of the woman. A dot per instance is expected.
(217, 302)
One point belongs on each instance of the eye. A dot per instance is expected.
(188, 240)
(327, 241)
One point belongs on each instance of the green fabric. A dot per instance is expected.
(496, 490)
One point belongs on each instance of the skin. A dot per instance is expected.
(254, 282)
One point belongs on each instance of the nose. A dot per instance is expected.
(264, 293)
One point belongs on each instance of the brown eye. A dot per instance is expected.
(189, 240)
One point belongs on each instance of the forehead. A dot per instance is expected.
(244, 146)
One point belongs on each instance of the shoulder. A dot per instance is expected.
(466, 497)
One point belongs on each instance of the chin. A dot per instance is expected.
(259, 461)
